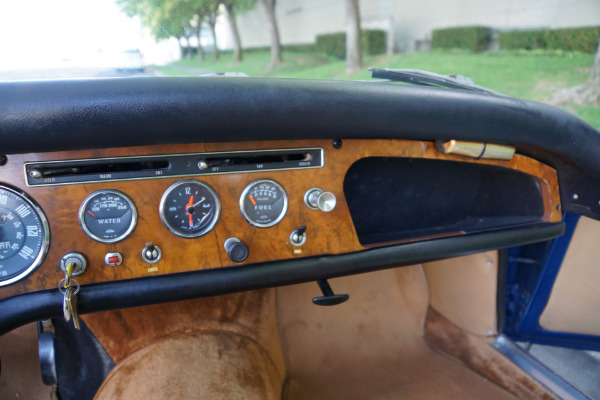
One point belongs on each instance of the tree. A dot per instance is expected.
(212, 13)
(353, 42)
(164, 18)
(586, 94)
(198, 31)
(183, 19)
(276, 57)
(594, 80)
(232, 8)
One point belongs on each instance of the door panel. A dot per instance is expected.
(574, 304)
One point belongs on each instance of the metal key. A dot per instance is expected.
(66, 283)
(67, 306)
(70, 307)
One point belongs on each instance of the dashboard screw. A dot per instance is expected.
(337, 143)
(3, 159)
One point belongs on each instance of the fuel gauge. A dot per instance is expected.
(263, 203)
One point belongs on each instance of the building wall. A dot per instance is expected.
(300, 21)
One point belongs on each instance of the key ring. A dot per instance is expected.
(63, 289)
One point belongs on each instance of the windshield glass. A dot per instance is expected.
(533, 50)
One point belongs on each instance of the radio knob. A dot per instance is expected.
(236, 250)
(317, 199)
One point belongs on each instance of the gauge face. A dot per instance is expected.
(24, 235)
(190, 208)
(263, 203)
(107, 216)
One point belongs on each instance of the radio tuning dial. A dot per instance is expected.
(317, 199)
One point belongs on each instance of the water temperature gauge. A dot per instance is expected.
(263, 203)
(107, 216)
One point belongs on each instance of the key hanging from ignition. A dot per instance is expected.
(70, 297)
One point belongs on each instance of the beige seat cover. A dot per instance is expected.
(208, 366)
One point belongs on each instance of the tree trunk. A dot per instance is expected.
(181, 46)
(237, 43)
(353, 42)
(274, 32)
(212, 21)
(594, 80)
(187, 34)
(198, 34)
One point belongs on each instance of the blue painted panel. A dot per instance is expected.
(532, 271)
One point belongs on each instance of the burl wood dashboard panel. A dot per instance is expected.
(327, 233)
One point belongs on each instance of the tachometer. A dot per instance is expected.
(263, 203)
(107, 216)
(24, 235)
(190, 208)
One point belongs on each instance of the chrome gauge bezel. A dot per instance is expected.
(174, 230)
(243, 198)
(84, 204)
(45, 237)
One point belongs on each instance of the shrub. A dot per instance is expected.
(472, 38)
(528, 40)
(334, 44)
(574, 39)
(374, 41)
(571, 39)
(300, 48)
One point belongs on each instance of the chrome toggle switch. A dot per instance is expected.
(151, 253)
(298, 236)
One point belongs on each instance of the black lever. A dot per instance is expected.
(329, 298)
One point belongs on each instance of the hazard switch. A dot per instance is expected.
(113, 259)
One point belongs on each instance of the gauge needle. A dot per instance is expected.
(203, 218)
(252, 199)
(189, 205)
(92, 214)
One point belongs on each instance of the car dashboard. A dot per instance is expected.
(294, 181)
(180, 216)
(247, 207)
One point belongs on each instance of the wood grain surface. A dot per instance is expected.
(327, 233)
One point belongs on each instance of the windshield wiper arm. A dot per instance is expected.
(425, 78)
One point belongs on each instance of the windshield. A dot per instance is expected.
(533, 50)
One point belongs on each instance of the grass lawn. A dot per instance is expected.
(527, 75)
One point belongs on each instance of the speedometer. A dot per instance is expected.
(24, 235)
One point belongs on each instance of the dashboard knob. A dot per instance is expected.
(236, 249)
(317, 199)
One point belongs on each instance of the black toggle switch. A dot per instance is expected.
(236, 250)
(329, 298)
(298, 236)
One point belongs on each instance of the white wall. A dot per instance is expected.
(301, 20)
